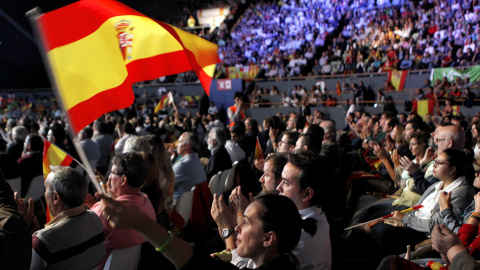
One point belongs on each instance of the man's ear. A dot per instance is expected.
(56, 198)
(124, 180)
(269, 238)
(308, 194)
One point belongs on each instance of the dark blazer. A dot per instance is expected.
(218, 162)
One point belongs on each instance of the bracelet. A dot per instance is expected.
(167, 243)
(476, 214)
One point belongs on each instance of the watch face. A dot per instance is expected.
(226, 233)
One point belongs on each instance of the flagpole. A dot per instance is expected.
(33, 15)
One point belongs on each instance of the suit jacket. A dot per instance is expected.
(219, 161)
(31, 165)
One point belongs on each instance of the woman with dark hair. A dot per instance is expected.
(166, 175)
(451, 168)
(270, 229)
(475, 129)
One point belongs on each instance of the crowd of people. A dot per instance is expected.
(395, 179)
(326, 169)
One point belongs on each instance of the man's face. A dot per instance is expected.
(283, 146)
(181, 145)
(49, 194)
(115, 180)
(290, 187)
(407, 133)
(299, 144)
(236, 138)
(269, 183)
(290, 123)
(441, 140)
(385, 127)
(210, 141)
(382, 119)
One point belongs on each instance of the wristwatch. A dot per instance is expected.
(227, 232)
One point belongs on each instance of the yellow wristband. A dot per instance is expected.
(167, 243)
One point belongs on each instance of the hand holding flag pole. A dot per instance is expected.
(384, 217)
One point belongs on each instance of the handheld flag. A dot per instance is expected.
(96, 49)
(258, 150)
(397, 78)
(54, 156)
(162, 104)
(339, 89)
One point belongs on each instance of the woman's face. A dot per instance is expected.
(441, 167)
(250, 233)
(416, 148)
(474, 131)
(393, 133)
(476, 181)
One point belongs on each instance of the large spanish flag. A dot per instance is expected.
(98, 48)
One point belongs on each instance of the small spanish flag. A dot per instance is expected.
(456, 110)
(53, 156)
(162, 104)
(423, 107)
(258, 150)
(397, 78)
(339, 89)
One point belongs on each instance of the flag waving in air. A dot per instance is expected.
(97, 48)
(258, 150)
(54, 156)
(162, 104)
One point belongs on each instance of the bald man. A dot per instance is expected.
(445, 137)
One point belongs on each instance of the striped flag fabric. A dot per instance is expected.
(397, 78)
(456, 110)
(258, 150)
(54, 156)
(339, 89)
(423, 107)
(97, 48)
(162, 104)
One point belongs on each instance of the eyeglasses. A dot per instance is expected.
(437, 162)
(437, 140)
(119, 174)
(282, 142)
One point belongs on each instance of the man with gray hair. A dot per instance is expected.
(220, 159)
(74, 237)
(188, 170)
(15, 148)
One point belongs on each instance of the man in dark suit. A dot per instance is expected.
(220, 159)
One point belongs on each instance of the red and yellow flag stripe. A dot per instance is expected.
(54, 156)
(98, 48)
